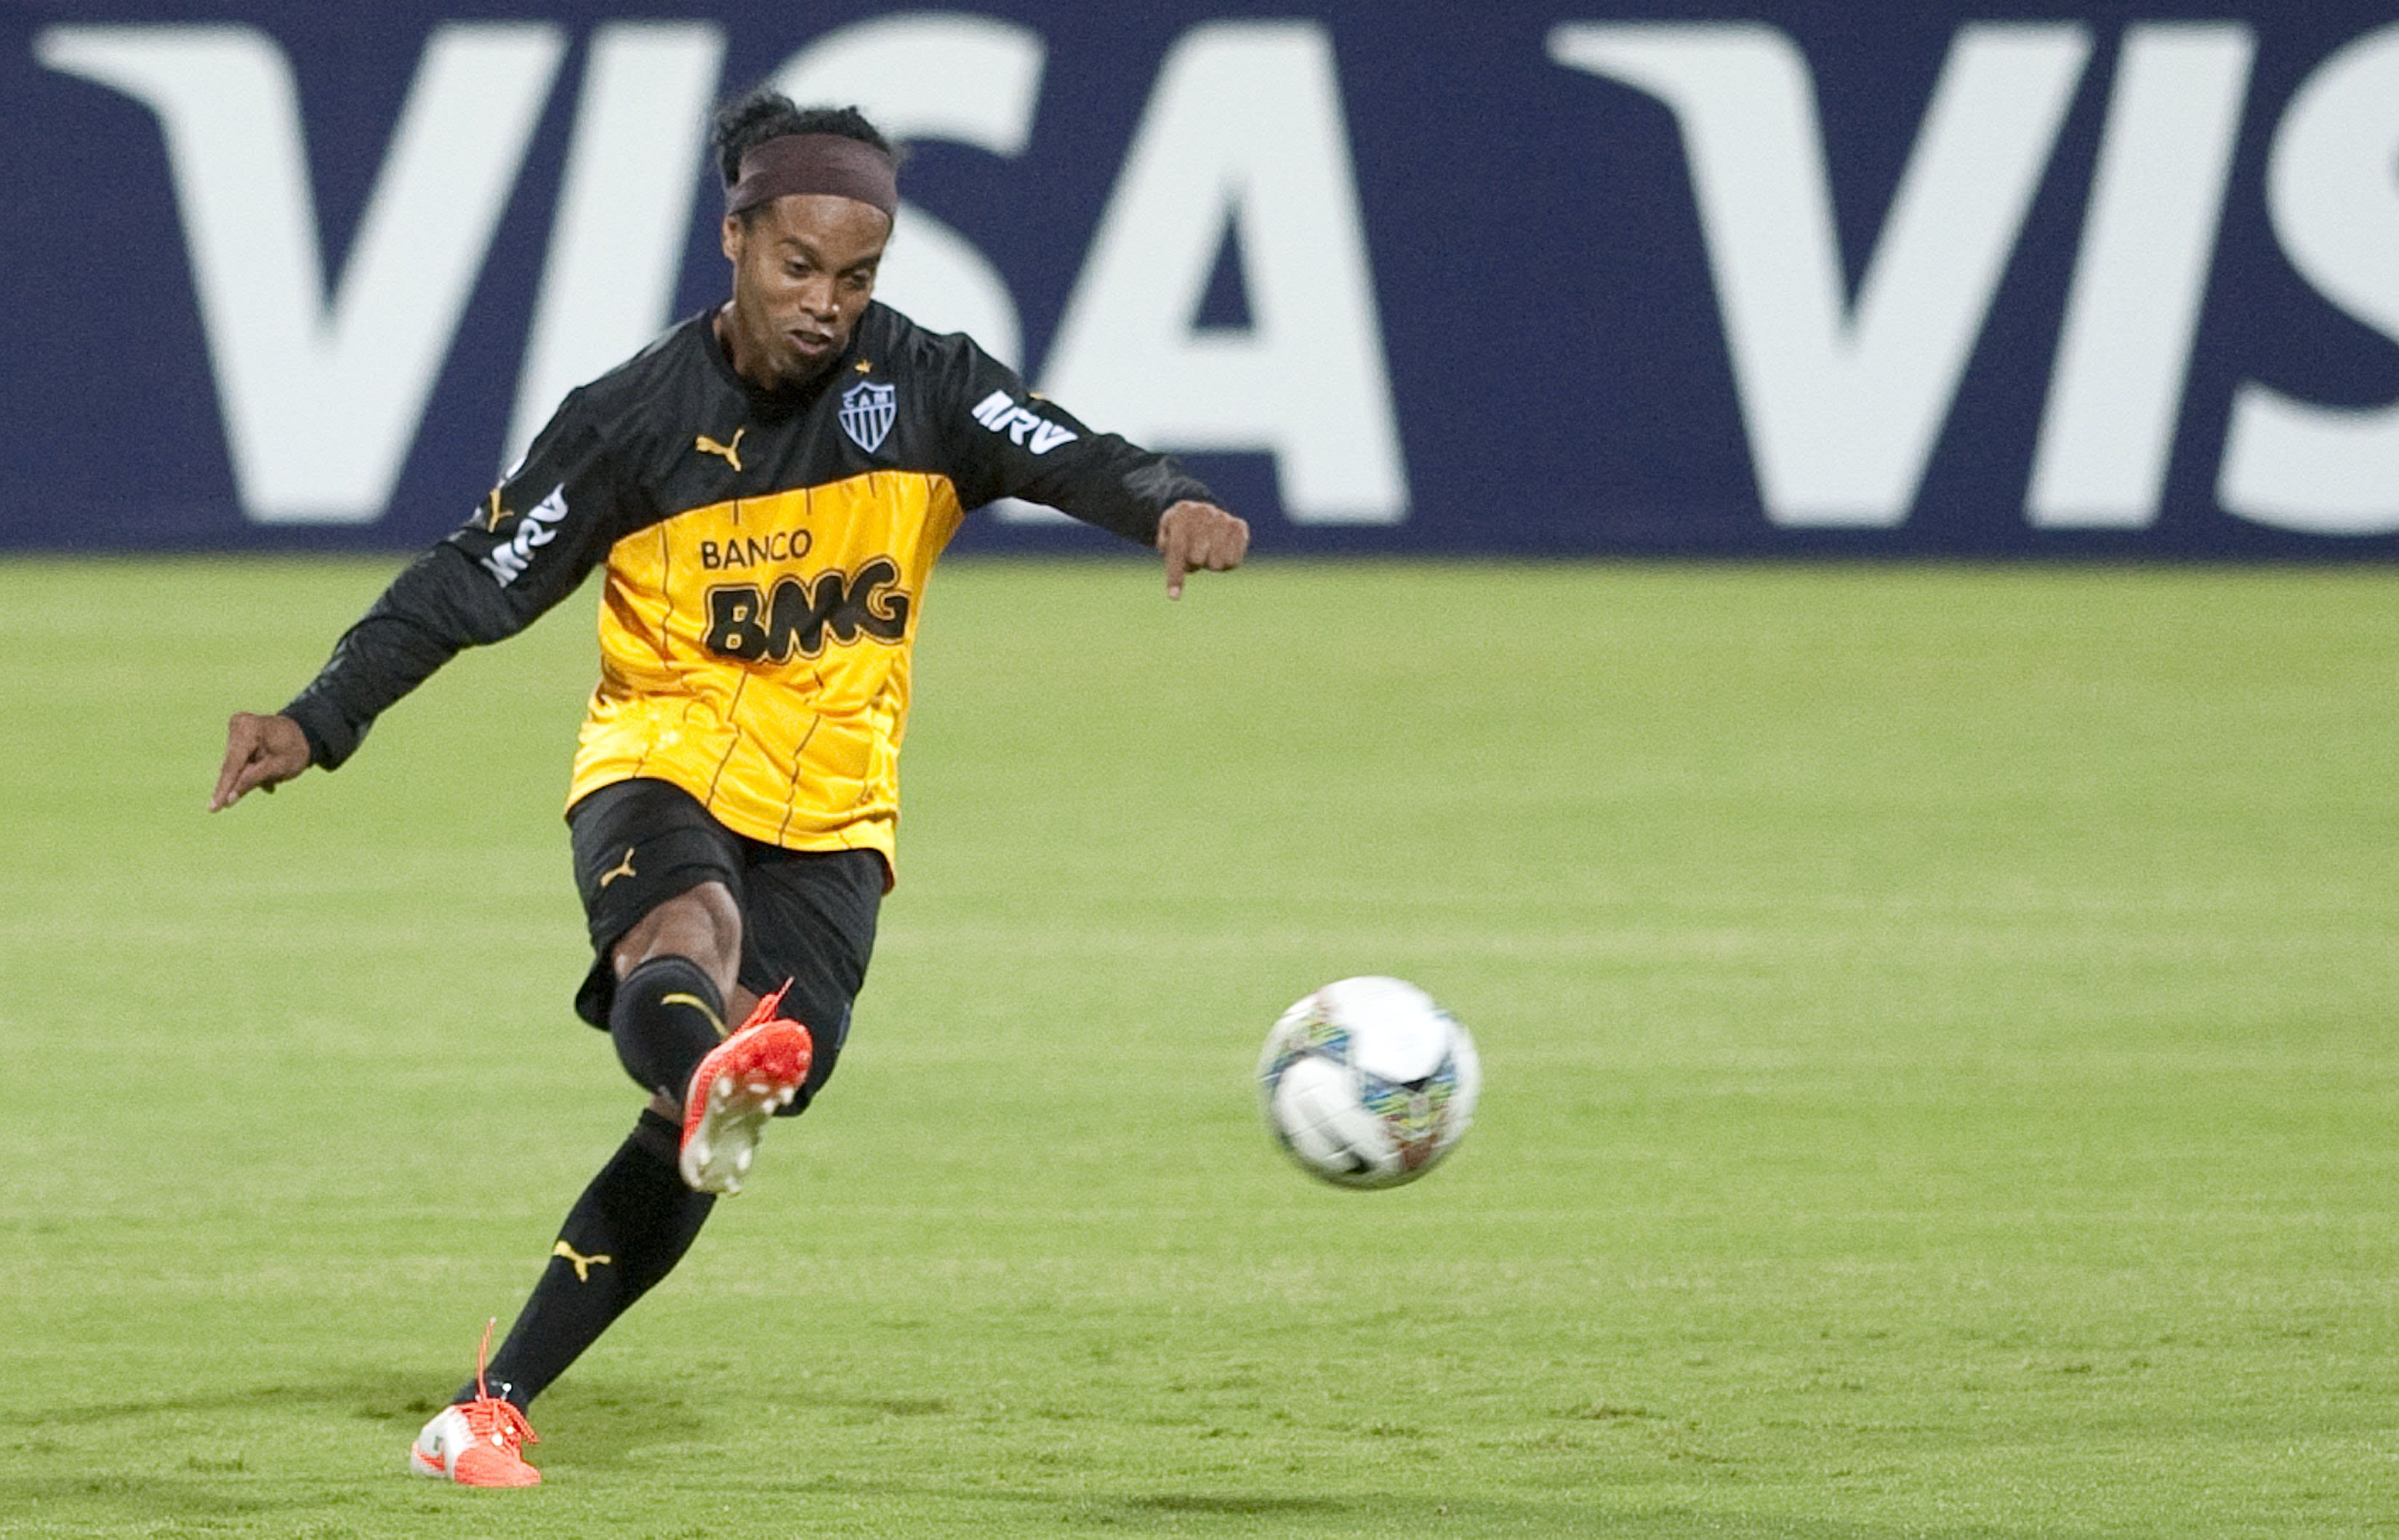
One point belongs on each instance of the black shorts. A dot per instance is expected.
(807, 915)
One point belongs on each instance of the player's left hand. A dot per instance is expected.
(1197, 535)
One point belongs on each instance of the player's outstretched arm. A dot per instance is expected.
(1194, 536)
(261, 753)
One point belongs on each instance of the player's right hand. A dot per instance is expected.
(261, 753)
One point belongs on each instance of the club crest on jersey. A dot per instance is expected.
(867, 410)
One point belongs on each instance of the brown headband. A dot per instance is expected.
(815, 163)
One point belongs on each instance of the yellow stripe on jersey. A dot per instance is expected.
(755, 654)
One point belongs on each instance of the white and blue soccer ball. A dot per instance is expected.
(1367, 1083)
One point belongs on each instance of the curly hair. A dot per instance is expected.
(744, 123)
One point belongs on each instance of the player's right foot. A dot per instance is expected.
(735, 1090)
(477, 1443)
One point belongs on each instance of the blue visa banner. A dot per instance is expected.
(1822, 277)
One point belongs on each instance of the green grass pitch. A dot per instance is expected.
(1941, 1029)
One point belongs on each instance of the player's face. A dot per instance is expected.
(802, 270)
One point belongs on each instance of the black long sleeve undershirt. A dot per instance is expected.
(440, 604)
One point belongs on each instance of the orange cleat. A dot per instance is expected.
(735, 1090)
(476, 1443)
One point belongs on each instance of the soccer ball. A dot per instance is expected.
(1367, 1083)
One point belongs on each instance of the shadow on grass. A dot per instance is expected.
(603, 1424)
(599, 1427)
(1251, 1505)
(390, 1397)
(138, 1499)
(1266, 1513)
(218, 1490)
(228, 1398)
(1369, 1514)
(607, 1424)
(1306, 1515)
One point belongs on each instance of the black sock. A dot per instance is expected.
(667, 1015)
(630, 1228)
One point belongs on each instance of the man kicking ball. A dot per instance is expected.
(768, 486)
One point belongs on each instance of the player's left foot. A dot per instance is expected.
(735, 1090)
(477, 1443)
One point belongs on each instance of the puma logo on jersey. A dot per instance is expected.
(583, 1265)
(509, 559)
(731, 452)
(624, 870)
(999, 412)
(493, 512)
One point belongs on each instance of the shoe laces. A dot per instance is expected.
(487, 1413)
(767, 1007)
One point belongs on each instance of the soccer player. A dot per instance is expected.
(768, 486)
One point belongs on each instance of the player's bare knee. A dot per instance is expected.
(703, 925)
(722, 917)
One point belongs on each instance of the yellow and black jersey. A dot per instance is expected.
(767, 555)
